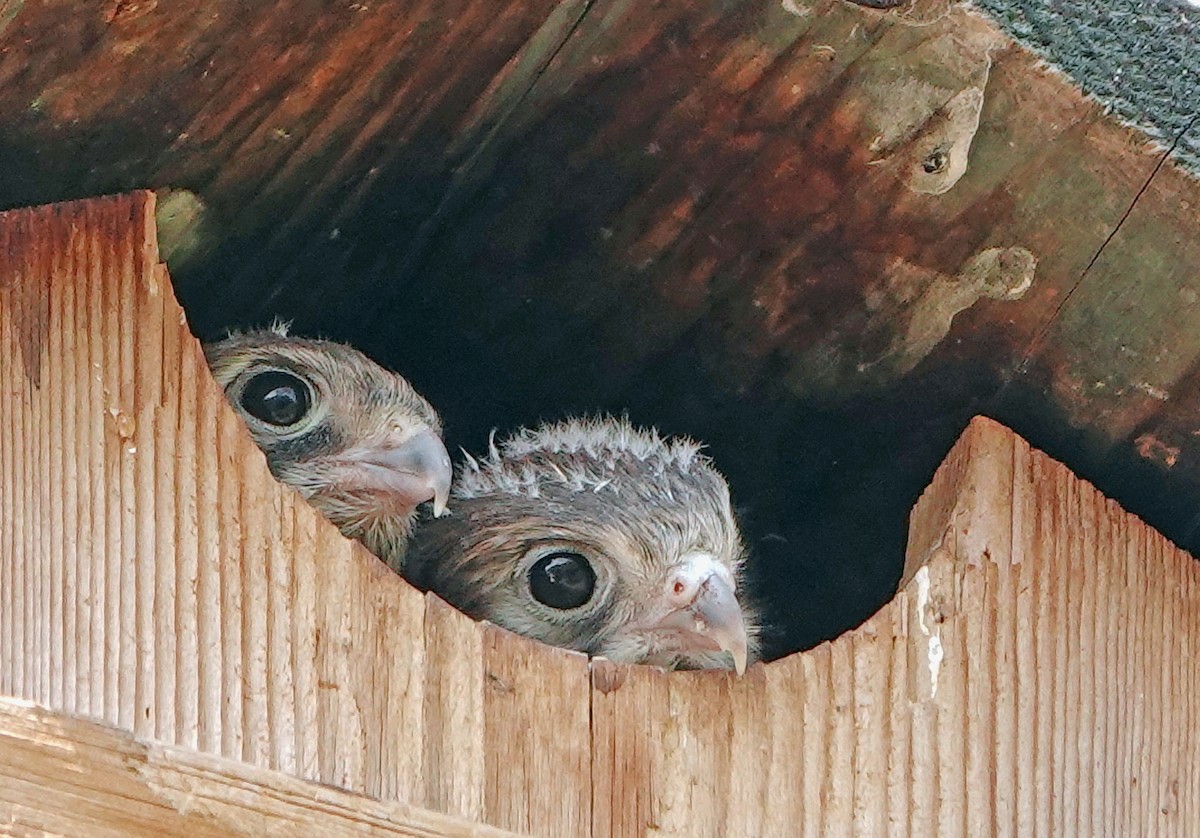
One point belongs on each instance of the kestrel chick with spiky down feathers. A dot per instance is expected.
(355, 439)
(596, 536)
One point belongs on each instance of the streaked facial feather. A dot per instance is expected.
(633, 503)
(356, 400)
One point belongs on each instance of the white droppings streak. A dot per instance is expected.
(936, 652)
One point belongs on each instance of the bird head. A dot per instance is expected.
(354, 438)
(599, 537)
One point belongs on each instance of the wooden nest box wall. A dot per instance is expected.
(192, 635)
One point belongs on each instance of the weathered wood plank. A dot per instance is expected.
(317, 102)
(537, 736)
(843, 291)
(454, 744)
(67, 776)
(1120, 355)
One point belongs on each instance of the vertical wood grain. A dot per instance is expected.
(452, 712)
(537, 766)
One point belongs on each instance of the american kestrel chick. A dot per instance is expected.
(596, 536)
(354, 438)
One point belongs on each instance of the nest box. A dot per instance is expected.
(818, 236)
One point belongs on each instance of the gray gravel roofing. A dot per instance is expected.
(1140, 58)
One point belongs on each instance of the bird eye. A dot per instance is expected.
(277, 398)
(562, 580)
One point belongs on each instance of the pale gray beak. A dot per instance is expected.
(416, 469)
(706, 610)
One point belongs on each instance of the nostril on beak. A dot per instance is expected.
(682, 590)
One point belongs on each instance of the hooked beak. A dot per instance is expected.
(414, 470)
(704, 610)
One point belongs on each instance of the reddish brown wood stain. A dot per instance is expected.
(25, 308)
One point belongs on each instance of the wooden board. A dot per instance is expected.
(1036, 674)
(66, 776)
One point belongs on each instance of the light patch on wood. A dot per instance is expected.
(792, 7)
(996, 273)
(912, 308)
(186, 231)
(941, 154)
(929, 629)
(8, 11)
(926, 108)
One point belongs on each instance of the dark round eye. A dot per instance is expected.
(562, 580)
(276, 397)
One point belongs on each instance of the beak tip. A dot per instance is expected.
(443, 482)
(739, 663)
(435, 465)
(735, 647)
